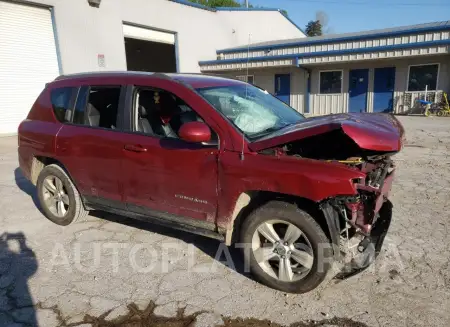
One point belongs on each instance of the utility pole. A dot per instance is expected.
(246, 3)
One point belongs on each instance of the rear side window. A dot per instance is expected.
(61, 101)
(97, 107)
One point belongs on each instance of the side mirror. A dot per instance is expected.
(196, 132)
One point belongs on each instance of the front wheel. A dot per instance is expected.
(288, 249)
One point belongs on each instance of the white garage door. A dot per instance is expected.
(148, 34)
(28, 60)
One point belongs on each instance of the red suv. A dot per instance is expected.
(217, 157)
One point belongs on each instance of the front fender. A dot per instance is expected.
(306, 178)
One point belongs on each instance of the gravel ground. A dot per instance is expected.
(96, 271)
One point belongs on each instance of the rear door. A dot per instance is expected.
(90, 144)
(164, 175)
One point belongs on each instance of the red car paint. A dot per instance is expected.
(201, 183)
(370, 131)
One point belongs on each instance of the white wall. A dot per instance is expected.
(84, 32)
(262, 25)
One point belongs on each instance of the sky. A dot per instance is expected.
(359, 15)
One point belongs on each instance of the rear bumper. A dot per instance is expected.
(24, 163)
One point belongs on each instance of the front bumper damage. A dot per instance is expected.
(371, 245)
(358, 226)
(368, 248)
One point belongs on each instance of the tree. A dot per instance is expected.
(218, 3)
(228, 3)
(314, 28)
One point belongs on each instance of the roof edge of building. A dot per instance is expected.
(324, 53)
(369, 34)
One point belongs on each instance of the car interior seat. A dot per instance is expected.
(92, 116)
(143, 123)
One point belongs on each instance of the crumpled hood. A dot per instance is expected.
(377, 132)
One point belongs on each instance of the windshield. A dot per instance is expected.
(254, 111)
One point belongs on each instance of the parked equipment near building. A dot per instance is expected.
(443, 108)
(440, 109)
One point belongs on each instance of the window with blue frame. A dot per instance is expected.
(330, 82)
(423, 77)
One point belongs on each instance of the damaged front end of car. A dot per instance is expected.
(365, 143)
(359, 223)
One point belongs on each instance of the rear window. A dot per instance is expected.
(97, 106)
(61, 101)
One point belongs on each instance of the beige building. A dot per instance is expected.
(374, 71)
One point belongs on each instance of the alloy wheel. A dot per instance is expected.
(55, 196)
(282, 250)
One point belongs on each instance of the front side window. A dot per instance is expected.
(252, 110)
(330, 82)
(97, 107)
(160, 113)
(423, 77)
(61, 101)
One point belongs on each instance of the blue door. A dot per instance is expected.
(283, 87)
(357, 89)
(383, 89)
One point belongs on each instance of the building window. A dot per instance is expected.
(247, 78)
(330, 82)
(423, 76)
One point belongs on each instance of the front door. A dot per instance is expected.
(358, 85)
(383, 89)
(164, 175)
(283, 87)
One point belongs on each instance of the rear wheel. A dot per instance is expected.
(58, 196)
(441, 113)
(288, 249)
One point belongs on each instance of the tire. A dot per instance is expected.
(74, 210)
(440, 113)
(275, 211)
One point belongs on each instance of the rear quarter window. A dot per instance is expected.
(61, 101)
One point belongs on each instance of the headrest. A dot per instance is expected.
(142, 111)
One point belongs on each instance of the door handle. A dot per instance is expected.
(134, 148)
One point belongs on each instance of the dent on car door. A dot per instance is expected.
(163, 172)
(90, 144)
